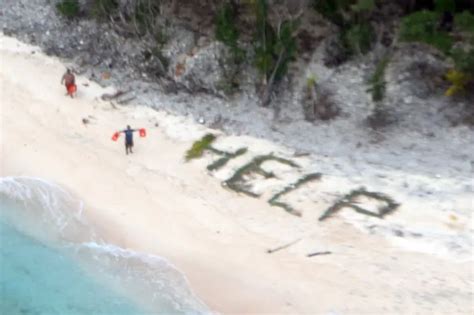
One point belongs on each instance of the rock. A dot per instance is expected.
(398, 233)
(202, 41)
(181, 42)
(334, 51)
(203, 70)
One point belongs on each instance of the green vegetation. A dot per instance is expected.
(144, 16)
(225, 159)
(458, 82)
(311, 81)
(264, 39)
(465, 21)
(463, 55)
(227, 32)
(445, 6)
(377, 81)
(422, 26)
(198, 148)
(332, 10)
(381, 116)
(68, 8)
(205, 144)
(357, 34)
(360, 38)
(305, 179)
(102, 9)
(360, 35)
(239, 184)
(464, 59)
(363, 6)
(273, 28)
(275, 46)
(350, 201)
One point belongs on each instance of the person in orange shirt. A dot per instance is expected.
(70, 82)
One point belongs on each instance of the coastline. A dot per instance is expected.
(44, 222)
(155, 203)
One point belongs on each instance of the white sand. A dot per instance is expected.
(153, 202)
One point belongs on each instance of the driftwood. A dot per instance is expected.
(318, 253)
(283, 246)
(108, 97)
(126, 101)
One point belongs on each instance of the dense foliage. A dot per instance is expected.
(425, 26)
(272, 29)
(68, 8)
(227, 32)
(422, 26)
(103, 8)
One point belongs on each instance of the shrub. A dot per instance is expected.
(311, 81)
(144, 15)
(381, 116)
(357, 35)
(445, 6)
(458, 82)
(68, 8)
(227, 32)
(463, 56)
(422, 26)
(265, 39)
(332, 9)
(363, 5)
(377, 81)
(360, 38)
(465, 21)
(286, 45)
(104, 8)
(275, 47)
(464, 59)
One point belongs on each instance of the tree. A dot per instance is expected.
(275, 43)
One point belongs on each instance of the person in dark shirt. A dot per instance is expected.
(128, 139)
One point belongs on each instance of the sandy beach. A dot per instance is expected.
(154, 202)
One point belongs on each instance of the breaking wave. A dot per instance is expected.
(52, 215)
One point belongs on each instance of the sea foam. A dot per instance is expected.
(54, 216)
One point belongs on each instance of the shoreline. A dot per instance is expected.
(48, 215)
(423, 141)
(153, 202)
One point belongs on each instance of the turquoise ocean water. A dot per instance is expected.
(53, 262)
